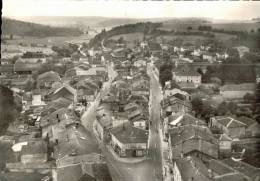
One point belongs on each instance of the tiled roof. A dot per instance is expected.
(192, 168)
(54, 76)
(128, 134)
(184, 119)
(181, 134)
(27, 66)
(186, 72)
(232, 122)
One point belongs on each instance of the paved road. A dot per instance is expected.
(154, 142)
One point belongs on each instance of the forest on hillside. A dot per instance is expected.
(14, 27)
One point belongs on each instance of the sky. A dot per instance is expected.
(230, 10)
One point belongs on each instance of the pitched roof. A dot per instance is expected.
(135, 113)
(192, 168)
(185, 72)
(49, 75)
(67, 87)
(128, 134)
(138, 98)
(224, 137)
(229, 121)
(26, 66)
(172, 100)
(130, 105)
(187, 132)
(184, 119)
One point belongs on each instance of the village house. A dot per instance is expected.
(235, 127)
(140, 63)
(138, 99)
(237, 91)
(129, 141)
(140, 87)
(221, 55)
(192, 140)
(21, 67)
(37, 99)
(196, 52)
(190, 168)
(86, 90)
(45, 80)
(182, 119)
(187, 76)
(174, 105)
(210, 57)
(176, 93)
(179, 119)
(64, 91)
(154, 48)
(143, 44)
(138, 118)
(21, 82)
(102, 124)
(242, 50)
(257, 73)
(225, 145)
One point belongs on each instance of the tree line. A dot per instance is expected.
(8, 108)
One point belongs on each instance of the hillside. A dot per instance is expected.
(145, 28)
(10, 26)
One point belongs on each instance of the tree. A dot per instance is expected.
(222, 109)
(249, 98)
(189, 28)
(232, 107)
(120, 40)
(200, 71)
(8, 108)
(197, 105)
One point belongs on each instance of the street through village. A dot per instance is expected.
(125, 170)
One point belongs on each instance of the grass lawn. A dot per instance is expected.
(130, 38)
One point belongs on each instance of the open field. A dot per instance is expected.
(226, 26)
(49, 41)
(237, 26)
(193, 38)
